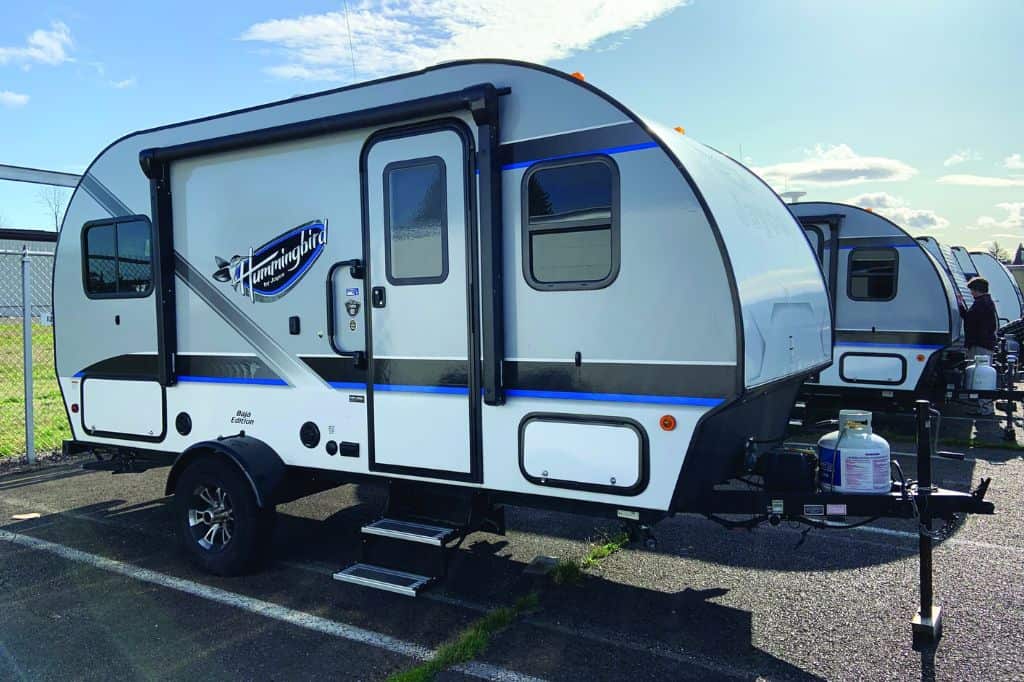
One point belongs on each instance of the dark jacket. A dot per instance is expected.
(980, 323)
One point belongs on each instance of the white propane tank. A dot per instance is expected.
(853, 459)
(981, 376)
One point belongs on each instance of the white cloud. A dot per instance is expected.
(1014, 162)
(960, 156)
(896, 209)
(392, 36)
(126, 83)
(42, 47)
(12, 99)
(836, 165)
(981, 181)
(1012, 220)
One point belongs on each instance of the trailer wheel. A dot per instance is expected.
(220, 525)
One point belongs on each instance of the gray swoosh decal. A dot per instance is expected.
(288, 367)
(104, 197)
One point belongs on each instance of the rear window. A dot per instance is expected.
(118, 258)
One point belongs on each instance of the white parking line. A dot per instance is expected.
(260, 607)
(952, 541)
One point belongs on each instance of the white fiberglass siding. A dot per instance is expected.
(787, 324)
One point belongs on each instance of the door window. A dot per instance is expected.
(416, 221)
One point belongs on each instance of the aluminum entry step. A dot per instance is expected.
(386, 579)
(410, 531)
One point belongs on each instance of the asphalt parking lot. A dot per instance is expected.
(94, 588)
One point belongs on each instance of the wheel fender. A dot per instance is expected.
(257, 461)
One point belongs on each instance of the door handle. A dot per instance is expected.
(378, 297)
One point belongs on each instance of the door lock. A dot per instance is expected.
(378, 297)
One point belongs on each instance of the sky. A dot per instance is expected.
(910, 107)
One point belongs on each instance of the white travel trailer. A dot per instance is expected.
(896, 313)
(1002, 286)
(484, 283)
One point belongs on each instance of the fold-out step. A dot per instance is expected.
(410, 531)
(380, 578)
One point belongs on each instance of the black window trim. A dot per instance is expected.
(816, 229)
(575, 226)
(386, 176)
(117, 271)
(895, 275)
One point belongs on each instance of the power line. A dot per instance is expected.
(351, 50)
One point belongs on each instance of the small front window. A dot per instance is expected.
(118, 260)
(872, 275)
(571, 224)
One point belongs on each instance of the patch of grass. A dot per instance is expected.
(470, 643)
(50, 420)
(567, 572)
(599, 553)
(570, 571)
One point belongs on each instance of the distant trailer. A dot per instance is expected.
(1005, 291)
(896, 312)
(943, 254)
(967, 264)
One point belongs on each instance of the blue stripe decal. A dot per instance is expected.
(879, 246)
(232, 380)
(355, 385)
(859, 344)
(617, 397)
(607, 150)
(78, 374)
(402, 388)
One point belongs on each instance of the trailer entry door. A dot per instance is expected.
(424, 393)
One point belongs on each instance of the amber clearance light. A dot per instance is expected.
(668, 423)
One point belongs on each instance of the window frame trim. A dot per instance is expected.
(895, 276)
(386, 195)
(582, 225)
(103, 222)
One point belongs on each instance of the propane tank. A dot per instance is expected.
(981, 376)
(853, 459)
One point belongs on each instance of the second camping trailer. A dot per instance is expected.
(897, 319)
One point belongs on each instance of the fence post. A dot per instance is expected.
(26, 316)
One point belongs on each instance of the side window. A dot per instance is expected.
(118, 260)
(571, 224)
(416, 221)
(872, 274)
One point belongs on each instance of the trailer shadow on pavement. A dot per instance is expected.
(483, 574)
(707, 604)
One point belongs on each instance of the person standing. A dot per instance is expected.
(980, 324)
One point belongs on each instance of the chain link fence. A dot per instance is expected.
(49, 420)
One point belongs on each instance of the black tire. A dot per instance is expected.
(241, 544)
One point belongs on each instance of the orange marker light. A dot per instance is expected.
(668, 423)
(74, 407)
(680, 129)
(920, 357)
(578, 76)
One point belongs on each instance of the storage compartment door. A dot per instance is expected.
(870, 368)
(123, 408)
(597, 454)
